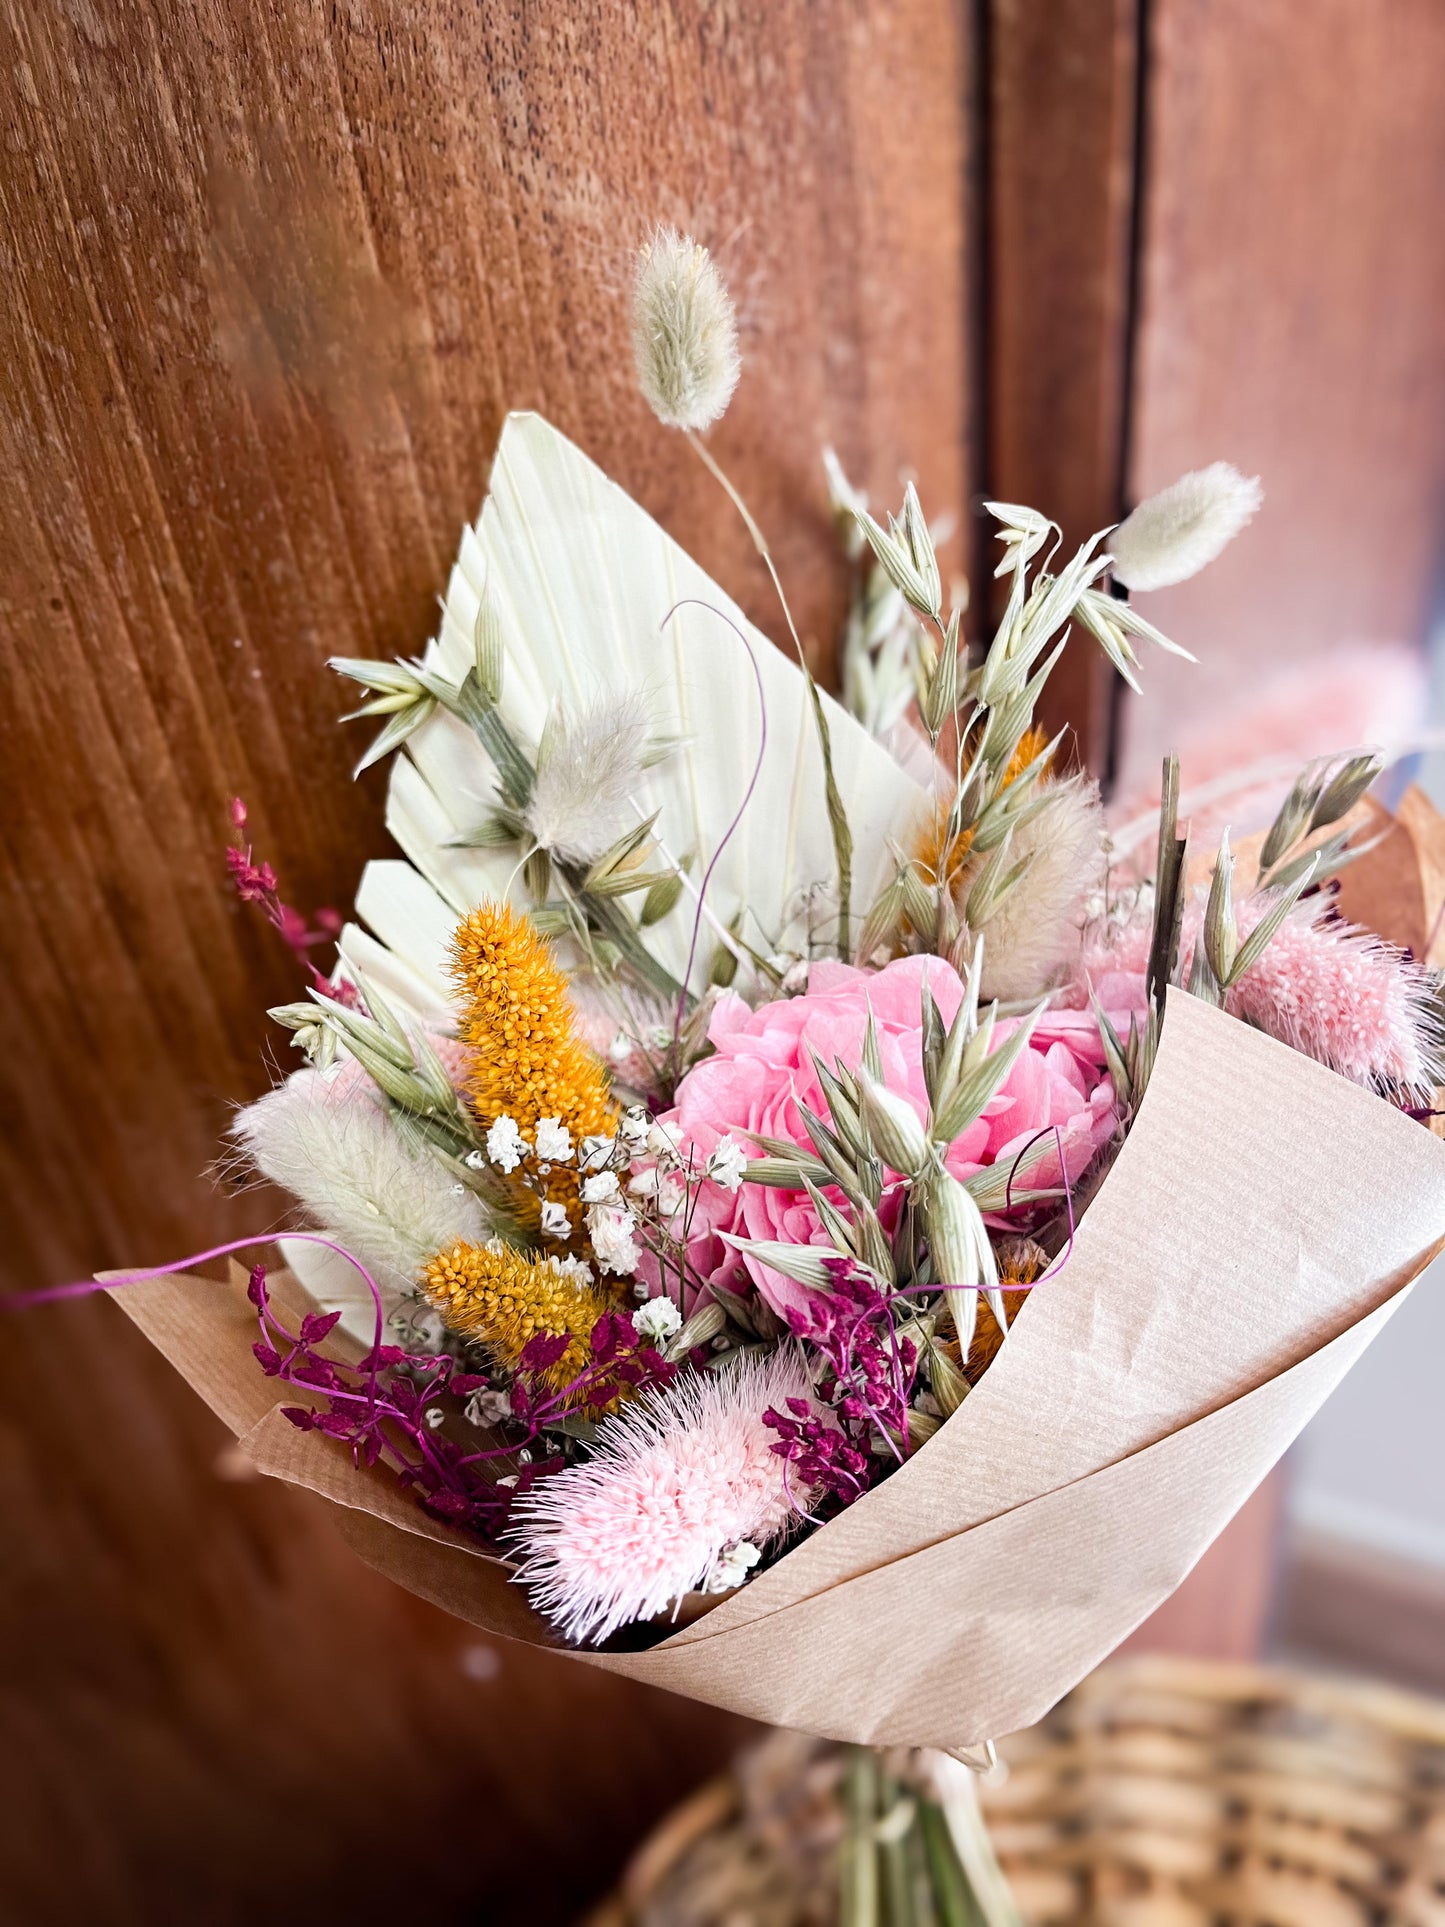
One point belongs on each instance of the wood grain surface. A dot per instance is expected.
(1293, 284)
(274, 270)
(1062, 82)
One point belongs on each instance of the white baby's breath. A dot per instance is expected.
(1174, 534)
(671, 1190)
(658, 1319)
(506, 1146)
(555, 1222)
(684, 333)
(611, 1229)
(488, 1407)
(554, 1141)
(734, 1563)
(727, 1164)
(596, 1151)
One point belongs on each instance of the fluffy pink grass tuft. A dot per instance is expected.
(675, 1476)
(1345, 998)
(1328, 989)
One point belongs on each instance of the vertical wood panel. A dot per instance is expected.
(274, 272)
(1292, 304)
(1062, 87)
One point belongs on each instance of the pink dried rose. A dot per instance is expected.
(763, 1068)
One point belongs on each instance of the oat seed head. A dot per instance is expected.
(684, 332)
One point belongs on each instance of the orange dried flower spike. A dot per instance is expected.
(525, 1058)
(1019, 1266)
(502, 1298)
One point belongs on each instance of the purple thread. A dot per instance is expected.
(85, 1287)
(697, 602)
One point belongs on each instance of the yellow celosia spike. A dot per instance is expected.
(503, 1298)
(526, 1060)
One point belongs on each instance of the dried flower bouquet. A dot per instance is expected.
(787, 1212)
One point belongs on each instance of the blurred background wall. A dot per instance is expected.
(273, 274)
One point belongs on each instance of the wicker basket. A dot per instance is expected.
(1162, 1793)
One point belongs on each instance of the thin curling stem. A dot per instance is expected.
(837, 817)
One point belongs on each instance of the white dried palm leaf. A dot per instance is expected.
(582, 581)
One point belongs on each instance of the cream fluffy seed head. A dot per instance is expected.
(1179, 531)
(684, 332)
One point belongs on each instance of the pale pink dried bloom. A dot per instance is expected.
(1343, 997)
(675, 1476)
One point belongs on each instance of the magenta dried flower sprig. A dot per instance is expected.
(870, 1368)
(257, 883)
(386, 1408)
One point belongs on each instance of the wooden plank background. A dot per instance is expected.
(1292, 288)
(274, 270)
(1057, 290)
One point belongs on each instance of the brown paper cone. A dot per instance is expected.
(1261, 1223)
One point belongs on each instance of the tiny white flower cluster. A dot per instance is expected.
(555, 1222)
(732, 1566)
(658, 1319)
(727, 1164)
(667, 1187)
(610, 1227)
(507, 1148)
(640, 1169)
(488, 1407)
(554, 1141)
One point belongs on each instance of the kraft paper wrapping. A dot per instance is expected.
(1263, 1220)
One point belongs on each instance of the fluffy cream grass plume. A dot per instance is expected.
(1032, 940)
(684, 333)
(324, 1137)
(589, 766)
(1176, 533)
(677, 1477)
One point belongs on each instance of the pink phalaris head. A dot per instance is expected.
(1343, 996)
(1325, 987)
(677, 1478)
